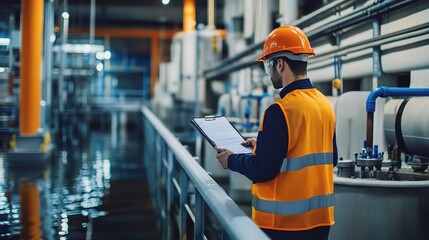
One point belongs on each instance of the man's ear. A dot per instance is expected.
(286, 66)
(280, 64)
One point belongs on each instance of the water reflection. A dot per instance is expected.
(91, 188)
(59, 198)
(25, 201)
(85, 181)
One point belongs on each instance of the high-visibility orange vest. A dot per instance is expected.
(301, 196)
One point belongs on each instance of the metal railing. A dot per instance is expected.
(182, 190)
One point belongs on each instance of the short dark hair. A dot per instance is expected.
(297, 67)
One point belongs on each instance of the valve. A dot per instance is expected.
(370, 158)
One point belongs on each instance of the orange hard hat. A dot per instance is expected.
(286, 38)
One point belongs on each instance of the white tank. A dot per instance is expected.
(189, 60)
(350, 112)
(413, 124)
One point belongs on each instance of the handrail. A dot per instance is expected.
(168, 162)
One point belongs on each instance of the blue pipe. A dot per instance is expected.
(392, 91)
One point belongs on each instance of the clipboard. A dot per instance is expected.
(219, 132)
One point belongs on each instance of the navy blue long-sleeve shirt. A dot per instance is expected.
(271, 143)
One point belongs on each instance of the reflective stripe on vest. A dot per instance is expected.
(293, 164)
(295, 207)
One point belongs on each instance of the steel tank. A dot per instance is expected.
(375, 209)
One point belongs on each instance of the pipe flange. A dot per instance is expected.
(369, 162)
(346, 168)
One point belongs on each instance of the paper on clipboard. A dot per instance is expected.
(220, 132)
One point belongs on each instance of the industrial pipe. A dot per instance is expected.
(391, 92)
(230, 64)
(386, 92)
(359, 15)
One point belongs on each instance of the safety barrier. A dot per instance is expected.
(181, 190)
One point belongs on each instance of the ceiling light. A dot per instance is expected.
(4, 41)
(65, 15)
(100, 67)
(165, 2)
(107, 55)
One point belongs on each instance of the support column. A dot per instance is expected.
(288, 10)
(189, 21)
(47, 64)
(31, 57)
(211, 14)
(30, 147)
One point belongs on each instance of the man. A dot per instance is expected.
(292, 162)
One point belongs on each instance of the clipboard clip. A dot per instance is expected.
(210, 118)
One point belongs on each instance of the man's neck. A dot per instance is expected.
(293, 78)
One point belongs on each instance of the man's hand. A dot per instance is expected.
(250, 142)
(222, 156)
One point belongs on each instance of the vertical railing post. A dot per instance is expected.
(183, 200)
(199, 216)
(170, 191)
(159, 175)
(163, 186)
(157, 156)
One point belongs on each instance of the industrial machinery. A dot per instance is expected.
(385, 192)
(9, 77)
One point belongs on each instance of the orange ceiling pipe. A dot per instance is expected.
(123, 32)
(189, 21)
(30, 71)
